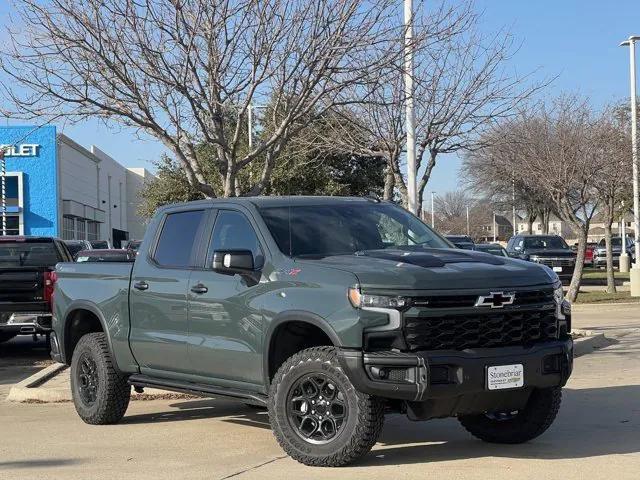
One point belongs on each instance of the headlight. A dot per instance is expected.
(361, 300)
(558, 298)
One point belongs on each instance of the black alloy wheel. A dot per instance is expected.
(316, 408)
(88, 379)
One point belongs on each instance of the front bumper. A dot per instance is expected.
(432, 375)
(26, 322)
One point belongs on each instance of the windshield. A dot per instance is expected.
(545, 243)
(75, 247)
(24, 254)
(323, 230)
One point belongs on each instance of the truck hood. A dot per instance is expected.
(436, 269)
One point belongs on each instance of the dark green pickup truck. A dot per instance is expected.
(331, 312)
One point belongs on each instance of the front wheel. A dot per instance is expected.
(100, 393)
(517, 426)
(316, 414)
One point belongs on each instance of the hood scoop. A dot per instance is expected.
(430, 258)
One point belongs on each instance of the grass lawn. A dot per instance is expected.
(604, 297)
(597, 274)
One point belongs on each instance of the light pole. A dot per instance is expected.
(494, 227)
(468, 230)
(623, 261)
(433, 214)
(635, 270)
(412, 202)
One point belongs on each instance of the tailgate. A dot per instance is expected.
(21, 290)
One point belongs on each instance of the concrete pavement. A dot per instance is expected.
(596, 436)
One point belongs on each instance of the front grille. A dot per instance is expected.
(479, 330)
(556, 262)
(464, 301)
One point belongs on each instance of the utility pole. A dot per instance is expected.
(412, 201)
(623, 261)
(634, 276)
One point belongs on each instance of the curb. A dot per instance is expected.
(29, 391)
(589, 342)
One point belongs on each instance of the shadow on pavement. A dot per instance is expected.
(592, 422)
(229, 411)
(39, 463)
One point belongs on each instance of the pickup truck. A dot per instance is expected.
(26, 283)
(328, 311)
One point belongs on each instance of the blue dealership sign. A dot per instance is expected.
(33, 151)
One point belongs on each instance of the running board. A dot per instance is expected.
(199, 389)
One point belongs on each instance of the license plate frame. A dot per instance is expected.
(503, 377)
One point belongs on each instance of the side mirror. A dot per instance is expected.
(231, 262)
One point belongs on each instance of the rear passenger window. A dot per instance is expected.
(179, 238)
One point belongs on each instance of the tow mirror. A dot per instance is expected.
(231, 262)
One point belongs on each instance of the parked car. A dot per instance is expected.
(461, 241)
(492, 248)
(105, 255)
(100, 244)
(329, 311)
(27, 278)
(76, 246)
(600, 252)
(133, 246)
(549, 250)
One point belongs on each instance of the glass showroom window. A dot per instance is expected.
(68, 228)
(81, 229)
(93, 230)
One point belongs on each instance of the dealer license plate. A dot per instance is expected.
(557, 269)
(505, 376)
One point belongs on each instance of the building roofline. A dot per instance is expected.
(76, 146)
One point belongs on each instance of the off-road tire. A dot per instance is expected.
(529, 423)
(360, 430)
(113, 392)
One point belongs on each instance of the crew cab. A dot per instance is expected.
(26, 283)
(328, 311)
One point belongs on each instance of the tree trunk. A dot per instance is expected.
(530, 220)
(576, 280)
(611, 282)
(545, 221)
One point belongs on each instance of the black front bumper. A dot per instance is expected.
(432, 375)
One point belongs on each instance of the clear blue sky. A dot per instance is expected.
(574, 39)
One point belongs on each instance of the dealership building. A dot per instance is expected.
(56, 187)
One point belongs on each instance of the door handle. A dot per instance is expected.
(141, 285)
(199, 289)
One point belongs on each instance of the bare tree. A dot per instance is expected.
(186, 72)
(555, 151)
(613, 183)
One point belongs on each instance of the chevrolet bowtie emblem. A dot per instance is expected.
(496, 299)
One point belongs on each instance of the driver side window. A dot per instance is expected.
(232, 231)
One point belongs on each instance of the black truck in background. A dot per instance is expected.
(27, 278)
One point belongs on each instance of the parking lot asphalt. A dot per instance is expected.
(596, 436)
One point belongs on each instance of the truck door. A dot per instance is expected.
(225, 339)
(158, 298)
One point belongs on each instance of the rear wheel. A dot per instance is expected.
(316, 414)
(517, 426)
(100, 393)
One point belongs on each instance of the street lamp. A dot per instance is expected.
(634, 275)
(433, 216)
(412, 202)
